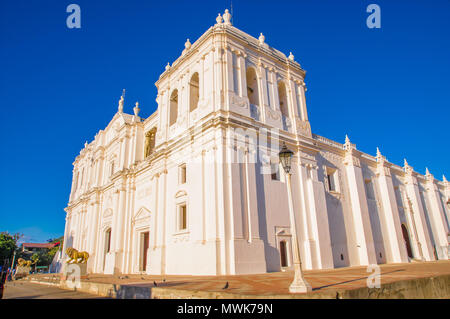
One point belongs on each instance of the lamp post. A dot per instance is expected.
(299, 283)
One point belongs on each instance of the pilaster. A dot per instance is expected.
(318, 241)
(391, 220)
(359, 208)
(437, 217)
(412, 191)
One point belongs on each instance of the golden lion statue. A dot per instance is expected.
(75, 256)
(25, 263)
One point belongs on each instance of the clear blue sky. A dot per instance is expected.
(387, 87)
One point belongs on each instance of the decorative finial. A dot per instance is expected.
(261, 39)
(408, 169)
(120, 109)
(167, 66)
(187, 44)
(219, 19)
(136, 109)
(378, 152)
(444, 179)
(291, 56)
(227, 17)
(347, 140)
(347, 144)
(428, 175)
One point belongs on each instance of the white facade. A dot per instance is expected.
(195, 189)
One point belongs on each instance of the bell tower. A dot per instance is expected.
(226, 69)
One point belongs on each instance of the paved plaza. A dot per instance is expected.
(274, 284)
(27, 290)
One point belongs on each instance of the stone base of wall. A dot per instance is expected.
(423, 288)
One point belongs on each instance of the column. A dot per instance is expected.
(127, 239)
(292, 100)
(124, 142)
(201, 79)
(412, 229)
(440, 229)
(93, 228)
(120, 229)
(229, 71)
(242, 75)
(304, 224)
(262, 88)
(396, 250)
(304, 113)
(273, 87)
(360, 210)
(77, 232)
(218, 87)
(412, 192)
(319, 240)
(66, 231)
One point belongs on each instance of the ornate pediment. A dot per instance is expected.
(142, 213)
(180, 193)
(282, 231)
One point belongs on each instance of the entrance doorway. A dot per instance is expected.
(406, 239)
(145, 236)
(283, 254)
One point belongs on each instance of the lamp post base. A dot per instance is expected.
(299, 287)
(299, 284)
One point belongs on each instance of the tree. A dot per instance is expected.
(8, 244)
(45, 256)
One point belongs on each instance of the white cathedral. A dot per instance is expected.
(197, 189)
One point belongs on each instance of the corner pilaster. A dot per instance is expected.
(360, 210)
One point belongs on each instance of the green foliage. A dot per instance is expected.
(45, 256)
(8, 244)
(54, 250)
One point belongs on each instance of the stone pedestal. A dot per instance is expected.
(75, 269)
(22, 271)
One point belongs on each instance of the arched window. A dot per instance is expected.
(173, 107)
(193, 92)
(282, 96)
(252, 86)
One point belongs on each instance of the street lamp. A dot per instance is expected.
(299, 283)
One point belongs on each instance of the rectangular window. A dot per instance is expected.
(182, 217)
(332, 179)
(182, 173)
(330, 182)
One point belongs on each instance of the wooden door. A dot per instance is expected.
(145, 248)
(283, 254)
